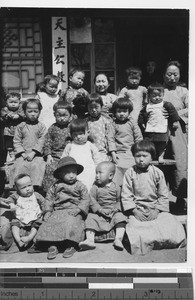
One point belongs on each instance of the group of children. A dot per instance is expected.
(86, 155)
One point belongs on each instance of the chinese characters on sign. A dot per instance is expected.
(59, 50)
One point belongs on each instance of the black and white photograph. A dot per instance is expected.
(94, 135)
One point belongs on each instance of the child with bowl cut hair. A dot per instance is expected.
(11, 115)
(145, 201)
(81, 149)
(98, 125)
(75, 89)
(123, 133)
(56, 140)
(28, 144)
(134, 91)
(48, 93)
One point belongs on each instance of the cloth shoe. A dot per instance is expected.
(87, 245)
(118, 244)
(52, 252)
(69, 252)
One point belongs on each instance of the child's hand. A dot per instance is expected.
(24, 156)
(74, 212)
(15, 116)
(49, 160)
(114, 157)
(175, 125)
(153, 214)
(46, 216)
(140, 215)
(165, 113)
(13, 206)
(30, 156)
(105, 212)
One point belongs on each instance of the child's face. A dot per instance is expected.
(133, 82)
(13, 103)
(122, 114)
(151, 66)
(94, 109)
(103, 175)
(24, 187)
(156, 96)
(32, 112)
(101, 84)
(80, 137)
(77, 79)
(51, 87)
(69, 174)
(143, 159)
(62, 116)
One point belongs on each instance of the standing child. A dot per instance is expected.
(83, 151)
(48, 94)
(75, 89)
(28, 144)
(56, 140)
(102, 83)
(106, 208)
(153, 122)
(133, 91)
(27, 206)
(67, 203)
(145, 200)
(11, 116)
(98, 125)
(123, 133)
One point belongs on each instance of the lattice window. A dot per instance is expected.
(22, 55)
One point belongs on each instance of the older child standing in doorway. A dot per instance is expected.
(133, 91)
(145, 201)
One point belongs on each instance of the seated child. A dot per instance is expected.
(28, 144)
(106, 208)
(123, 133)
(6, 215)
(98, 125)
(48, 93)
(133, 91)
(67, 204)
(145, 201)
(102, 83)
(153, 122)
(11, 116)
(28, 206)
(75, 89)
(56, 140)
(83, 151)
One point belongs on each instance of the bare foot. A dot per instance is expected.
(20, 244)
(25, 240)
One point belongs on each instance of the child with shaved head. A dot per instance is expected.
(105, 208)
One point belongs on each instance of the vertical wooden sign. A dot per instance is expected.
(59, 50)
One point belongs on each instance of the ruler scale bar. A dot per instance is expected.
(92, 283)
